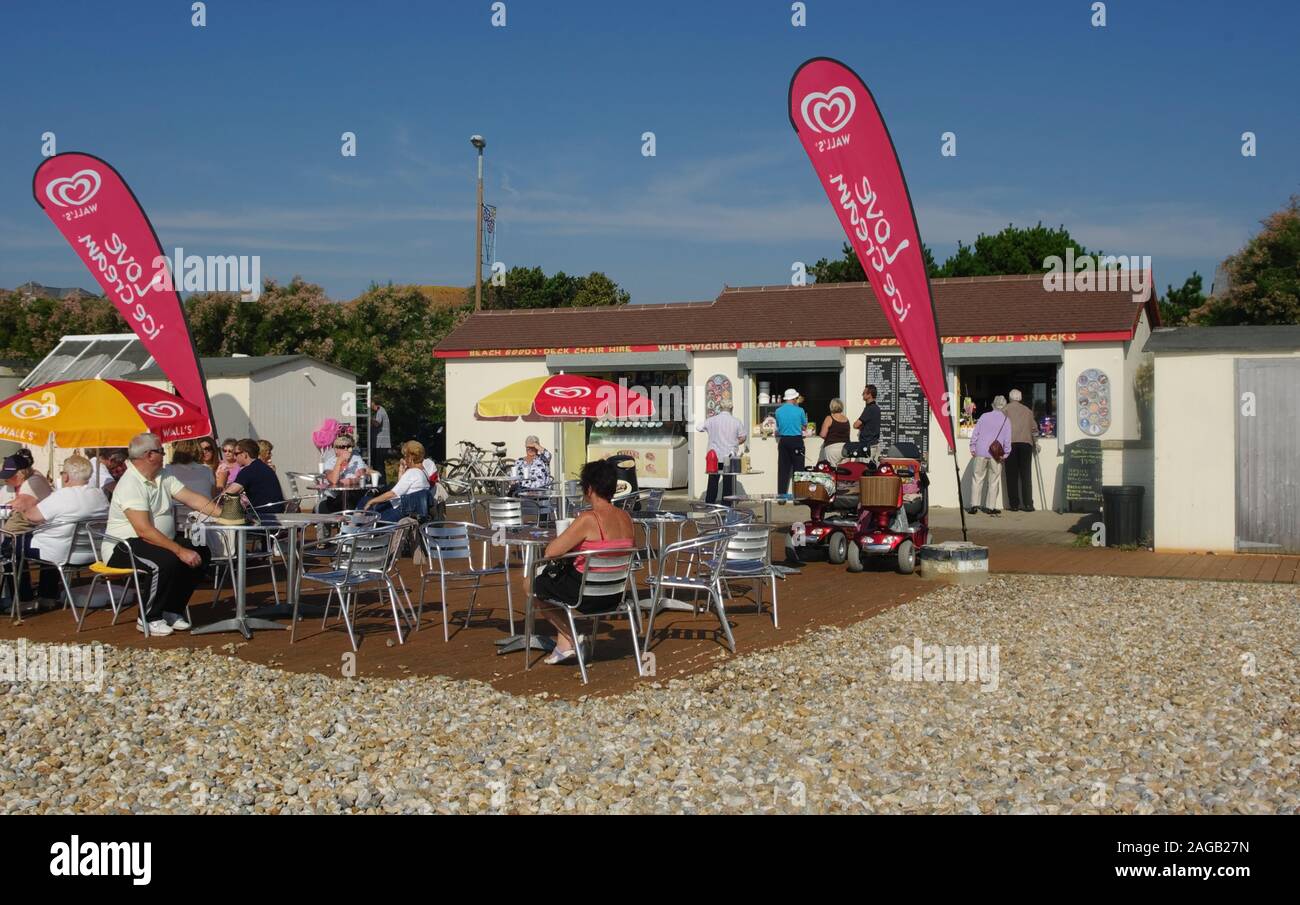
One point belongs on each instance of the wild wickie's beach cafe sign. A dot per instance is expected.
(840, 127)
(100, 217)
(872, 342)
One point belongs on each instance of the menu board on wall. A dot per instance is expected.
(1083, 476)
(904, 411)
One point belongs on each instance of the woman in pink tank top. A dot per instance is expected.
(603, 527)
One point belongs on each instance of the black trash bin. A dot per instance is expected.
(1121, 513)
(626, 466)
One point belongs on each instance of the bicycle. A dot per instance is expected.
(474, 463)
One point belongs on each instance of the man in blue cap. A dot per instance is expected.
(791, 420)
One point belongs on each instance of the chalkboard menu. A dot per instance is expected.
(904, 412)
(1083, 476)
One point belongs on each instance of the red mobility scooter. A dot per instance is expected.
(862, 509)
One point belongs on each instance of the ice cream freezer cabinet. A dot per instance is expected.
(657, 447)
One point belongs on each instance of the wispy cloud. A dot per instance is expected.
(712, 200)
(1176, 229)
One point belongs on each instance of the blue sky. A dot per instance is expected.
(230, 134)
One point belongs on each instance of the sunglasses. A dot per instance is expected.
(153, 452)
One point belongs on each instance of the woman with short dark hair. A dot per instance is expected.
(603, 527)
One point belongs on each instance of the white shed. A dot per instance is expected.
(281, 398)
(1227, 438)
(11, 375)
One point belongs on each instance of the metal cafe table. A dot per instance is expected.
(243, 622)
(531, 540)
(349, 495)
(767, 499)
(661, 520)
(495, 485)
(295, 525)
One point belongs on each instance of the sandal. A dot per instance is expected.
(559, 656)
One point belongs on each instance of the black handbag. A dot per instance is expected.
(558, 568)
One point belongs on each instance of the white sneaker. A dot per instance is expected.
(178, 622)
(156, 627)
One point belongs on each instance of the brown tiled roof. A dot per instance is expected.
(966, 306)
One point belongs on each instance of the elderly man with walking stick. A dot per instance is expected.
(1020, 464)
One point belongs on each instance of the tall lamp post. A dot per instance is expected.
(478, 142)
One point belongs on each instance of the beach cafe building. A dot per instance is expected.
(1073, 354)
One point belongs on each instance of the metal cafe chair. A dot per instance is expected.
(696, 564)
(630, 500)
(749, 555)
(81, 556)
(100, 569)
(306, 487)
(445, 545)
(721, 516)
(366, 561)
(325, 547)
(509, 512)
(606, 576)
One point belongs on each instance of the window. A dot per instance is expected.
(817, 387)
(981, 383)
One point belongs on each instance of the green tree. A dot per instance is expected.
(30, 328)
(1178, 304)
(596, 289)
(211, 316)
(848, 269)
(386, 336)
(530, 287)
(1264, 276)
(1012, 251)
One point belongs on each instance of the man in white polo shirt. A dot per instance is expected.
(141, 516)
(56, 518)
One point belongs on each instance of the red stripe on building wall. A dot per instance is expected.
(861, 343)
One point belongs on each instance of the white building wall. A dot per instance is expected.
(283, 405)
(230, 404)
(1195, 490)
(1133, 359)
(703, 366)
(1195, 450)
(1119, 361)
(468, 381)
(288, 403)
(9, 380)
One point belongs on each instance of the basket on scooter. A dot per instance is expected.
(880, 490)
(813, 486)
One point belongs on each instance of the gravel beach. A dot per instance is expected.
(1092, 695)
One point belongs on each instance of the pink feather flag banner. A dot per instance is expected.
(840, 126)
(99, 215)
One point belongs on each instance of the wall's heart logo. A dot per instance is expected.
(828, 112)
(35, 410)
(161, 409)
(568, 392)
(74, 190)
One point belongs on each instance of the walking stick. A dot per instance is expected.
(1042, 494)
